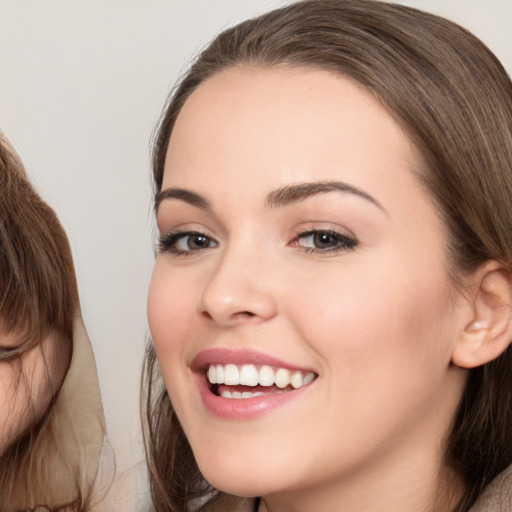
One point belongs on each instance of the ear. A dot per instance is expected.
(489, 331)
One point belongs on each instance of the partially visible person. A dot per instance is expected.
(52, 426)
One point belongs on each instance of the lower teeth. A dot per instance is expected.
(245, 394)
(239, 394)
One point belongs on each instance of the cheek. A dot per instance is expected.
(25, 392)
(13, 400)
(171, 306)
(171, 311)
(383, 346)
(369, 319)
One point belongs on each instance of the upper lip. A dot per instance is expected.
(224, 356)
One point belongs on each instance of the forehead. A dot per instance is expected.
(285, 123)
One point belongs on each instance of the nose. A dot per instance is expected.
(237, 293)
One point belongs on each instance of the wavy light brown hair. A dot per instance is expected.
(38, 298)
(38, 290)
(453, 98)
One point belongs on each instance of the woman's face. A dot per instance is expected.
(302, 266)
(28, 383)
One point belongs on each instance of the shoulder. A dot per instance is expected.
(497, 497)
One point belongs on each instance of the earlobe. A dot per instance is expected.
(489, 332)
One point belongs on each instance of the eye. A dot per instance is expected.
(323, 241)
(8, 353)
(185, 242)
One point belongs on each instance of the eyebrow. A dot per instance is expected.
(184, 195)
(293, 193)
(277, 198)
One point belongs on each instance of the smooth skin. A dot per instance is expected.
(28, 384)
(352, 284)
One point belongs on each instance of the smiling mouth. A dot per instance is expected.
(249, 380)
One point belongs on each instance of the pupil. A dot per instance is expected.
(323, 239)
(198, 242)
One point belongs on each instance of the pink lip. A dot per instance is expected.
(240, 409)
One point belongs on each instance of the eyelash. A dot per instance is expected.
(169, 242)
(342, 242)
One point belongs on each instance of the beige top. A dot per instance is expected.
(63, 462)
(497, 496)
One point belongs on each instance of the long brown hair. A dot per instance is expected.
(453, 98)
(37, 278)
(38, 301)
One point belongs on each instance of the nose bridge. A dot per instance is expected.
(239, 289)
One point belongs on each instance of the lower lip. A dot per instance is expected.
(244, 408)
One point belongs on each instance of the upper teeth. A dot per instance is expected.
(250, 375)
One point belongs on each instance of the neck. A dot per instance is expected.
(412, 486)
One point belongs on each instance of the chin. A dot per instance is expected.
(246, 487)
(246, 477)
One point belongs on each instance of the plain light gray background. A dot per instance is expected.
(82, 83)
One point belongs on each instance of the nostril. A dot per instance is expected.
(245, 313)
(238, 315)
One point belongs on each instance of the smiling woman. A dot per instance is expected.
(330, 304)
(51, 417)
